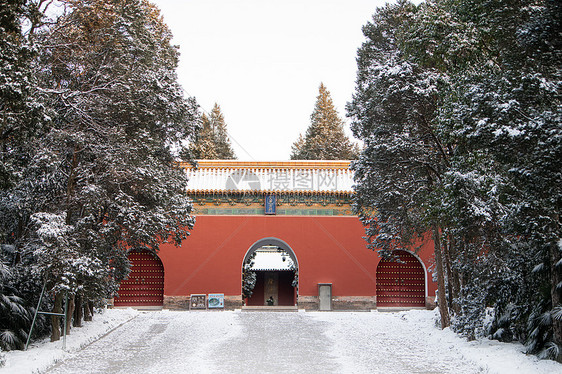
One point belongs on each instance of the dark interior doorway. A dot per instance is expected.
(274, 284)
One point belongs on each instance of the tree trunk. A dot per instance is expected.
(78, 312)
(70, 185)
(55, 320)
(447, 263)
(69, 313)
(455, 278)
(452, 276)
(87, 311)
(556, 278)
(441, 295)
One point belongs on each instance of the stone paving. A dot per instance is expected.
(264, 342)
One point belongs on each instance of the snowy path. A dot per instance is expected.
(274, 342)
(387, 344)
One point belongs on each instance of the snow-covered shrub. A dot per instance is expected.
(469, 322)
(249, 277)
(500, 293)
(14, 316)
(20, 287)
(550, 351)
(295, 282)
(248, 283)
(539, 325)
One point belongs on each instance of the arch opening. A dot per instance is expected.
(401, 282)
(270, 274)
(144, 286)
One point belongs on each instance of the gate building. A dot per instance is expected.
(277, 234)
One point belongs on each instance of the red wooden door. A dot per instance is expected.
(145, 285)
(401, 283)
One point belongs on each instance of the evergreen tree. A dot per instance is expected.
(297, 147)
(459, 107)
(21, 108)
(325, 138)
(22, 118)
(211, 141)
(401, 168)
(101, 177)
(510, 107)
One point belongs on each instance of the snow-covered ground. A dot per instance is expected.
(43, 354)
(272, 342)
(409, 342)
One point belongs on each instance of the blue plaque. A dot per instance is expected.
(216, 300)
(270, 204)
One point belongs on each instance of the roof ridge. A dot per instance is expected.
(293, 164)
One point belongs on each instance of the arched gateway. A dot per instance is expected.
(401, 281)
(145, 285)
(300, 208)
(270, 274)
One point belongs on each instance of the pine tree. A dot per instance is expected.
(211, 141)
(325, 138)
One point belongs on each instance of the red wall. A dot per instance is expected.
(328, 250)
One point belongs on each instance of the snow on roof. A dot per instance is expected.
(268, 176)
(272, 261)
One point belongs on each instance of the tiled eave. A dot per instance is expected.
(270, 165)
(268, 176)
(260, 192)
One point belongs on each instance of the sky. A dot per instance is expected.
(263, 61)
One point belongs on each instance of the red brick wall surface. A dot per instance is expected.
(328, 250)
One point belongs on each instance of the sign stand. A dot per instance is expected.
(37, 311)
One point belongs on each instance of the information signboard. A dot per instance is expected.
(216, 300)
(198, 301)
